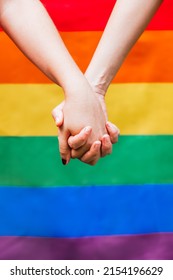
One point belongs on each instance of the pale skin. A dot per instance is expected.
(36, 36)
(127, 22)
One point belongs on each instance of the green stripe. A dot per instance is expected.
(35, 161)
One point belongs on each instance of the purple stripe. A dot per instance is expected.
(145, 247)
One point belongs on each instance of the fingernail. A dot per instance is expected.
(96, 144)
(111, 125)
(64, 162)
(87, 129)
(108, 124)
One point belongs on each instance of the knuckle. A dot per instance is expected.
(75, 154)
(63, 151)
(71, 144)
(82, 137)
(92, 163)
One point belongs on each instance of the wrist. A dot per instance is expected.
(98, 84)
(77, 88)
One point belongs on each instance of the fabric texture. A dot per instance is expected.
(122, 207)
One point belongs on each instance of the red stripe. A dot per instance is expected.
(75, 15)
(163, 19)
(92, 15)
(129, 247)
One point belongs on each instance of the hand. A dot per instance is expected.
(92, 156)
(75, 142)
(77, 113)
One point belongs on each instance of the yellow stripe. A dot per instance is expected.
(26, 108)
(134, 108)
(141, 108)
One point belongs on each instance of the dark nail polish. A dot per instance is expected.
(64, 161)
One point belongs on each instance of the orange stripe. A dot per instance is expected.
(15, 67)
(149, 61)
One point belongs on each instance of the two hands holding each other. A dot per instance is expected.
(76, 140)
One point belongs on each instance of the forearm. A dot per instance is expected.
(28, 24)
(128, 20)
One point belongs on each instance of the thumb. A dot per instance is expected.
(57, 114)
(64, 149)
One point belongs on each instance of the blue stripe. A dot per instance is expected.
(85, 211)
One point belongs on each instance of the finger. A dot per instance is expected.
(64, 149)
(93, 155)
(57, 114)
(106, 148)
(78, 153)
(80, 139)
(113, 132)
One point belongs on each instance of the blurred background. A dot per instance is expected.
(122, 208)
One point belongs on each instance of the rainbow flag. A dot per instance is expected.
(122, 208)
